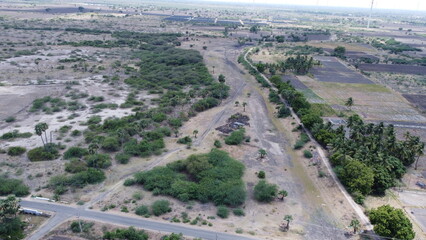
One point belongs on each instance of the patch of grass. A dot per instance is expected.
(16, 151)
(322, 109)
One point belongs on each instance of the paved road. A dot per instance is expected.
(63, 212)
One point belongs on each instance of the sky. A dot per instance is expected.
(385, 4)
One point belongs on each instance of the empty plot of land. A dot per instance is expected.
(334, 71)
(393, 68)
(417, 100)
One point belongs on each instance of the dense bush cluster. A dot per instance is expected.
(16, 151)
(124, 234)
(265, 192)
(236, 137)
(391, 223)
(13, 186)
(45, 153)
(61, 183)
(208, 177)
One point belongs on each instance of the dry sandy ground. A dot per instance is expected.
(310, 201)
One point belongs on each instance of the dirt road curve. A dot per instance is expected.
(364, 219)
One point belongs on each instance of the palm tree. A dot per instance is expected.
(262, 153)
(195, 132)
(283, 194)
(349, 103)
(288, 218)
(419, 152)
(44, 127)
(244, 106)
(38, 130)
(355, 224)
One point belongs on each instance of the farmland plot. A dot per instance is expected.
(334, 71)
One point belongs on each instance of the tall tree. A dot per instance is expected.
(195, 132)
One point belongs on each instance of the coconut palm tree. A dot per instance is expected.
(419, 152)
(39, 131)
(244, 106)
(355, 224)
(283, 194)
(288, 218)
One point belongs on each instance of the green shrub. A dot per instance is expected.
(122, 158)
(307, 154)
(42, 154)
(111, 144)
(161, 207)
(129, 182)
(217, 144)
(13, 186)
(185, 140)
(15, 134)
(284, 112)
(16, 151)
(75, 165)
(205, 104)
(75, 133)
(142, 210)
(236, 137)
(126, 234)
(85, 226)
(265, 192)
(222, 212)
(261, 174)
(238, 212)
(75, 152)
(98, 160)
(10, 119)
(94, 120)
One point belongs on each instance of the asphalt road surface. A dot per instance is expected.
(64, 212)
